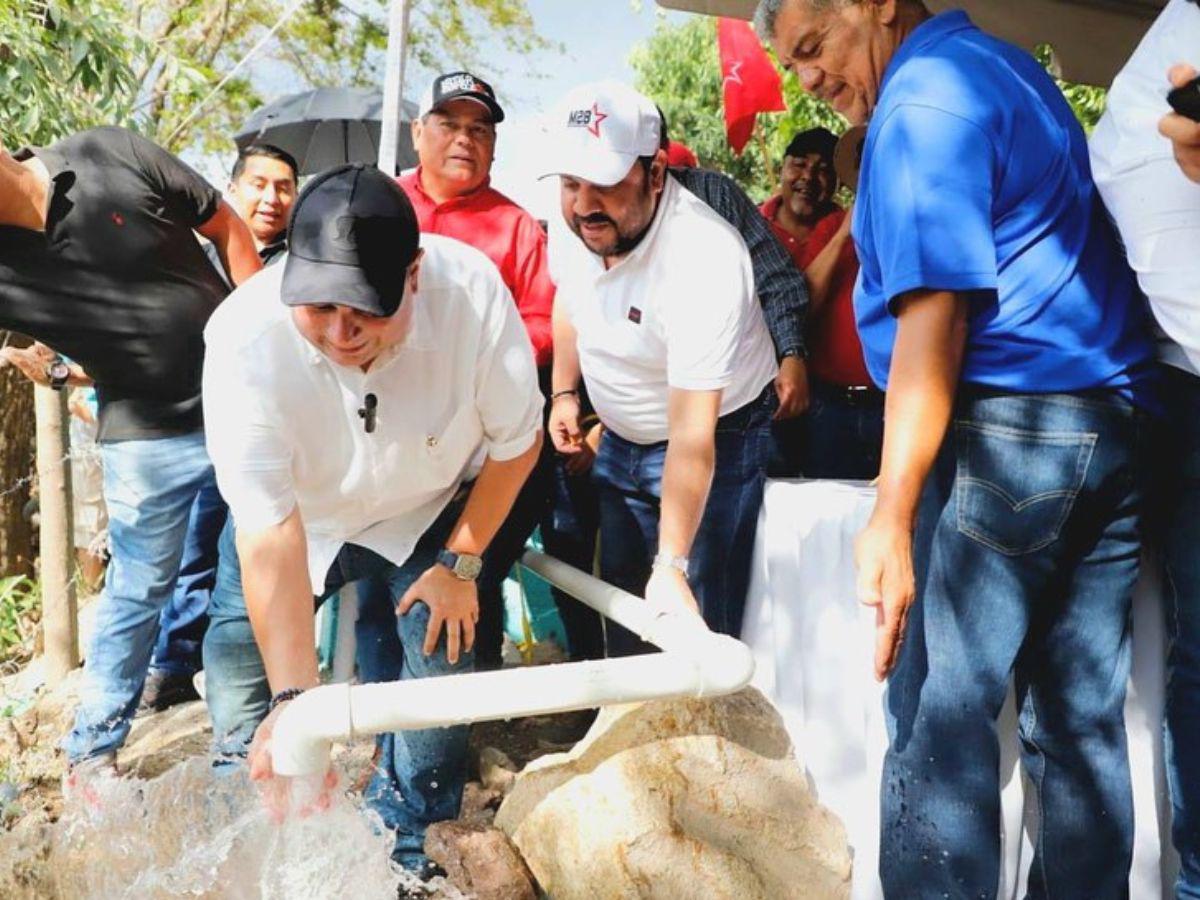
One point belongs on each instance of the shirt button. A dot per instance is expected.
(430, 441)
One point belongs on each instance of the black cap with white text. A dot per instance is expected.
(460, 85)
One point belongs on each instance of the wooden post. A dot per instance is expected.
(60, 622)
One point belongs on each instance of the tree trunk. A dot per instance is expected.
(17, 450)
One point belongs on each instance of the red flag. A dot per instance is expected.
(751, 81)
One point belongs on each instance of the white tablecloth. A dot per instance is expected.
(813, 644)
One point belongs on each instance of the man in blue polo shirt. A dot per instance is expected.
(996, 309)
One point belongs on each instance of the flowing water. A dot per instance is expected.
(196, 832)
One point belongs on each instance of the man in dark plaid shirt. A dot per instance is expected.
(780, 285)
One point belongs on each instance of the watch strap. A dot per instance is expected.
(58, 381)
(453, 561)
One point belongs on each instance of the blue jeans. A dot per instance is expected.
(839, 436)
(421, 774)
(629, 478)
(1027, 549)
(528, 510)
(1178, 525)
(183, 622)
(149, 487)
(569, 530)
(569, 533)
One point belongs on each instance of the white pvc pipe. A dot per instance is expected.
(695, 662)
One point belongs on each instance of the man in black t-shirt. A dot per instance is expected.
(99, 260)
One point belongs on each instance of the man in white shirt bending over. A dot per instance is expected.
(373, 410)
(1157, 210)
(661, 320)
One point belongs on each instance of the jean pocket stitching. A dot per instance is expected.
(1085, 442)
(1019, 505)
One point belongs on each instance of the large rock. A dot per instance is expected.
(480, 861)
(663, 797)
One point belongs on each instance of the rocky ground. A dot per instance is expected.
(654, 800)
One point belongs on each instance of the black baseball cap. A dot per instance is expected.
(455, 85)
(352, 236)
(821, 141)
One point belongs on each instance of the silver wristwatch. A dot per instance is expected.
(464, 566)
(667, 561)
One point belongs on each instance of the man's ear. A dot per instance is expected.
(658, 171)
(414, 272)
(886, 10)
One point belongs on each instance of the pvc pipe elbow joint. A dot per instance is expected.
(307, 726)
(724, 665)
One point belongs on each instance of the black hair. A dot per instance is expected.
(821, 141)
(664, 139)
(268, 150)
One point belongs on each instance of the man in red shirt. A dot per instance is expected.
(455, 140)
(841, 436)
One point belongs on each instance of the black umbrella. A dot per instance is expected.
(327, 127)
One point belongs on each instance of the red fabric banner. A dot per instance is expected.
(751, 81)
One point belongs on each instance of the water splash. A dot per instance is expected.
(196, 832)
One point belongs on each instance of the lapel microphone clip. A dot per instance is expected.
(367, 413)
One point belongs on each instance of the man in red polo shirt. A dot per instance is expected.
(455, 139)
(841, 436)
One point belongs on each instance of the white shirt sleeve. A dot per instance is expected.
(1156, 208)
(506, 385)
(705, 314)
(253, 461)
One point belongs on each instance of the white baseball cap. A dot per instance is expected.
(598, 132)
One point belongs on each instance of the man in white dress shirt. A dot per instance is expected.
(660, 317)
(373, 410)
(1157, 210)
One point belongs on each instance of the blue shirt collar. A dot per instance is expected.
(925, 35)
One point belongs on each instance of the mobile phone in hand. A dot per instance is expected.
(1186, 100)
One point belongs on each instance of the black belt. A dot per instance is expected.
(864, 397)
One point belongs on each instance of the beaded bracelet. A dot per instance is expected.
(284, 697)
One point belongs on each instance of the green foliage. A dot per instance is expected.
(64, 65)
(1087, 101)
(69, 64)
(326, 42)
(679, 68)
(20, 613)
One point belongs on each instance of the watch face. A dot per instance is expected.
(468, 567)
(60, 371)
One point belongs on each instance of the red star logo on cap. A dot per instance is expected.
(597, 118)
